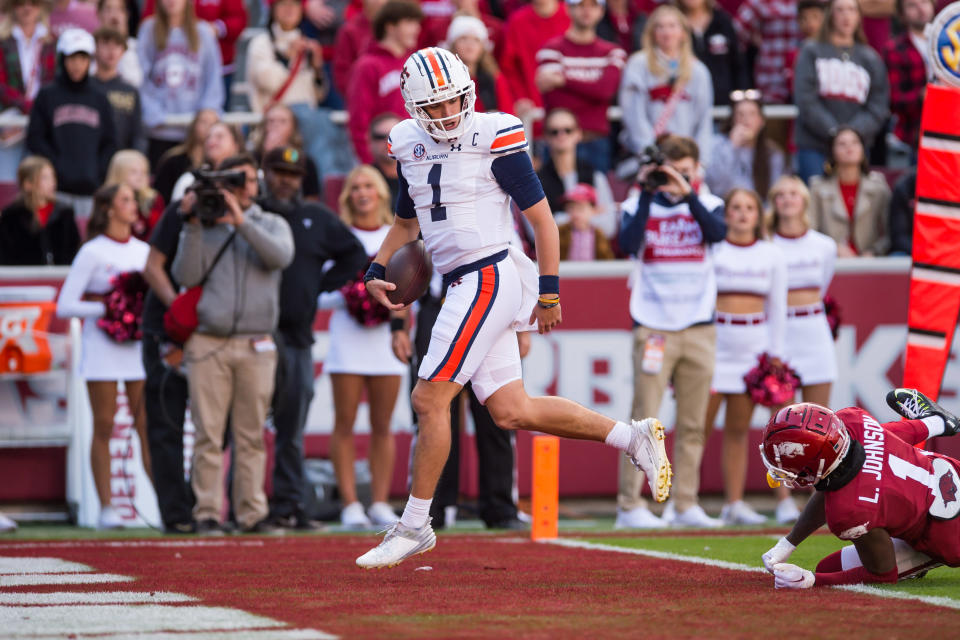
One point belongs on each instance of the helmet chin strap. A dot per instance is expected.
(848, 468)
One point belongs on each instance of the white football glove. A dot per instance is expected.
(780, 552)
(790, 576)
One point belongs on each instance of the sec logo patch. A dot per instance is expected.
(419, 151)
(944, 37)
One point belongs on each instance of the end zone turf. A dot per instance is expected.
(477, 587)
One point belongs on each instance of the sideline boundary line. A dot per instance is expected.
(938, 601)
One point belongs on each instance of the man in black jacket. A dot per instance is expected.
(71, 124)
(318, 236)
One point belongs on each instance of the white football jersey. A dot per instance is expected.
(464, 215)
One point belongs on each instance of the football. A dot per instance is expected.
(410, 268)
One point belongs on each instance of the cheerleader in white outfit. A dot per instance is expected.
(811, 257)
(110, 250)
(751, 318)
(361, 358)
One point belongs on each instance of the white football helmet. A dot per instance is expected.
(435, 75)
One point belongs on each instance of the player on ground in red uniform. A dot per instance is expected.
(899, 505)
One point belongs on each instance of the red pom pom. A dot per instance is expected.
(360, 305)
(124, 307)
(771, 383)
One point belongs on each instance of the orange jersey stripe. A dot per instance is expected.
(436, 68)
(488, 282)
(507, 140)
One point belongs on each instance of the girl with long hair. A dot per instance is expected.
(751, 319)
(36, 229)
(839, 81)
(182, 71)
(743, 156)
(185, 156)
(665, 89)
(110, 250)
(361, 360)
(130, 167)
(468, 37)
(280, 128)
(850, 203)
(810, 257)
(223, 141)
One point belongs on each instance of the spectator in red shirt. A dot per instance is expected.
(352, 42)
(434, 29)
(908, 68)
(581, 72)
(375, 80)
(623, 24)
(468, 38)
(528, 29)
(228, 18)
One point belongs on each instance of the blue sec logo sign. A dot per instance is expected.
(419, 151)
(943, 34)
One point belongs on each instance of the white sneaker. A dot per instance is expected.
(638, 518)
(7, 524)
(740, 512)
(695, 516)
(399, 544)
(787, 511)
(647, 453)
(669, 513)
(382, 514)
(353, 517)
(109, 519)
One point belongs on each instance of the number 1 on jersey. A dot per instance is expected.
(437, 211)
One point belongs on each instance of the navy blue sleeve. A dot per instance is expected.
(515, 175)
(405, 208)
(712, 224)
(634, 224)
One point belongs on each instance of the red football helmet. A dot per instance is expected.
(803, 443)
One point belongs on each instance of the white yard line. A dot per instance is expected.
(251, 634)
(938, 601)
(29, 579)
(99, 544)
(94, 597)
(9, 565)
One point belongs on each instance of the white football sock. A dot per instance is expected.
(935, 425)
(416, 512)
(619, 436)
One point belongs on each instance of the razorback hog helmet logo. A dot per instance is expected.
(948, 488)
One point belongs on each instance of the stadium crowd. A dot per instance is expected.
(105, 168)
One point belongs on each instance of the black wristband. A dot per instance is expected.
(375, 271)
(397, 324)
(549, 284)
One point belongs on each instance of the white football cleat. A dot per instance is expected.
(399, 544)
(740, 512)
(647, 453)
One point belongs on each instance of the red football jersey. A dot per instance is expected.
(911, 493)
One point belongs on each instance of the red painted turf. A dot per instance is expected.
(492, 587)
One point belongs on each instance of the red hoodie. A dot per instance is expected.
(374, 88)
(228, 19)
(526, 33)
(353, 38)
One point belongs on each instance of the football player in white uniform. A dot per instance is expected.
(458, 171)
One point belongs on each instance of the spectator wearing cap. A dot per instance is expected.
(115, 15)
(71, 124)
(909, 68)
(319, 237)
(468, 38)
(437, 29)
(581, 72)
(27, 62)
(227, 19)
(579, 239)
(375, 81)
(123, 97)
(527, 30)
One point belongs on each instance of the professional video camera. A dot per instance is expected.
(656, 178)
(210, 205)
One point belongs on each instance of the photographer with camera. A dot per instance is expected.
(236, 252)
(670, 228)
